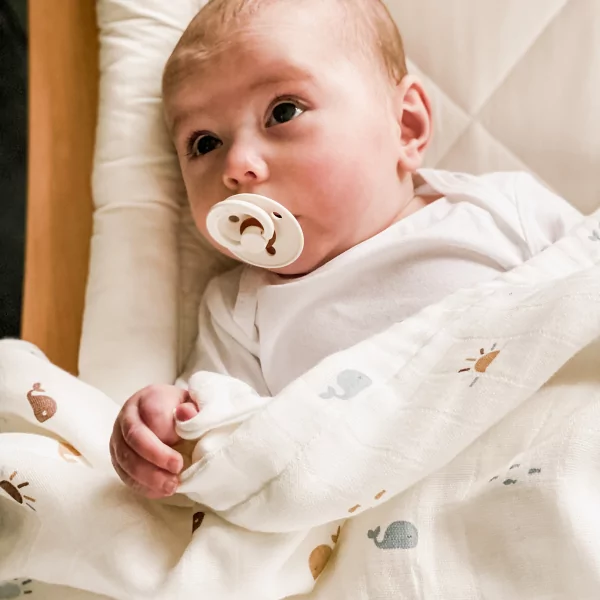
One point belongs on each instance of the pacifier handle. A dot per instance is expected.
(258, 227)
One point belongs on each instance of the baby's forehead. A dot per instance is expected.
(284, 46)
(211, 33)
(313, 31)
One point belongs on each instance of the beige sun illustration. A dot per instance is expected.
(14, 491)
(482, 363)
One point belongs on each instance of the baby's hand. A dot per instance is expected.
(140, 446)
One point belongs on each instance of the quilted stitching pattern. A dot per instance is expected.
(515, 86)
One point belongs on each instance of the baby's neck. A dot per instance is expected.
(417, 203)
(414, 205)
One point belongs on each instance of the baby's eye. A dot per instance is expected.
(199, 145)
(284, 112)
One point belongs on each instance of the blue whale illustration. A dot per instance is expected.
(9, 590)
(399, 535)
(351, 382)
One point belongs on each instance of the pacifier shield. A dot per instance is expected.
(257, 230)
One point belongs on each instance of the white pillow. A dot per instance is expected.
(515, 86)
(142, 230)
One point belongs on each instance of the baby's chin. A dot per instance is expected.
(307, 263)
(291, 271)
(309, 260)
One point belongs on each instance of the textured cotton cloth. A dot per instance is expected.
(267, 330)
(454, 455)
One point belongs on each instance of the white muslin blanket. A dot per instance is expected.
(456, 455)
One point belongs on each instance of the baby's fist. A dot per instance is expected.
(142, 438)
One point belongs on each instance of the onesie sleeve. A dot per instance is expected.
(545, 217)
(224, 345)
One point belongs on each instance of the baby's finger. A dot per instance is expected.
(135, 486)
(186, 411)
(139, 473)
(155, 410)
(115, 441)
(144, 442)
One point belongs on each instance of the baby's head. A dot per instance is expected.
(305, 101)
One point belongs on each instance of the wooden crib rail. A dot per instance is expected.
(63, 92)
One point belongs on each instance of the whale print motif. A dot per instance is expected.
(44, 407)
(399, 535)
(595, 237)
(320, 556)
(318, 560)
(15, 589)
(351, 383)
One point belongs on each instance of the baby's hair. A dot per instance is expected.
(367, 27)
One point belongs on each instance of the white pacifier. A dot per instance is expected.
(257, 230)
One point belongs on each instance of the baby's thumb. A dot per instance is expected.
(186, 411)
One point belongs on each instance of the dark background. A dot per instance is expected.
(13, 157)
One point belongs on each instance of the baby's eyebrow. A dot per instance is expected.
(175, 121)
(290, 75)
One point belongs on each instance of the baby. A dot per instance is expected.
(309, 102)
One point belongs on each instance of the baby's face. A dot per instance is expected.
(284, 113)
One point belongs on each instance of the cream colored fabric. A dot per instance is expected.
(517, 85)
(147, 263)
(460, 460)
(482, 226)
(514, 85)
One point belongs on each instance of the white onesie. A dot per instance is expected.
(267, 330)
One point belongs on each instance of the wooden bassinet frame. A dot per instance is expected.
(63, 99)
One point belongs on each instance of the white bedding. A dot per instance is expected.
(515, 85)
(468, 467)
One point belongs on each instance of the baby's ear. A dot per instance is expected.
(413, 111)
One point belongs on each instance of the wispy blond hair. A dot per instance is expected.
(366, 24)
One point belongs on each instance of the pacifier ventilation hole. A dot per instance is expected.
(277, 215)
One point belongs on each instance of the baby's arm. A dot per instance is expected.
(144, 433)
(227, 345)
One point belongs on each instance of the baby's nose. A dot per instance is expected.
(235, 183)
(244, 169)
